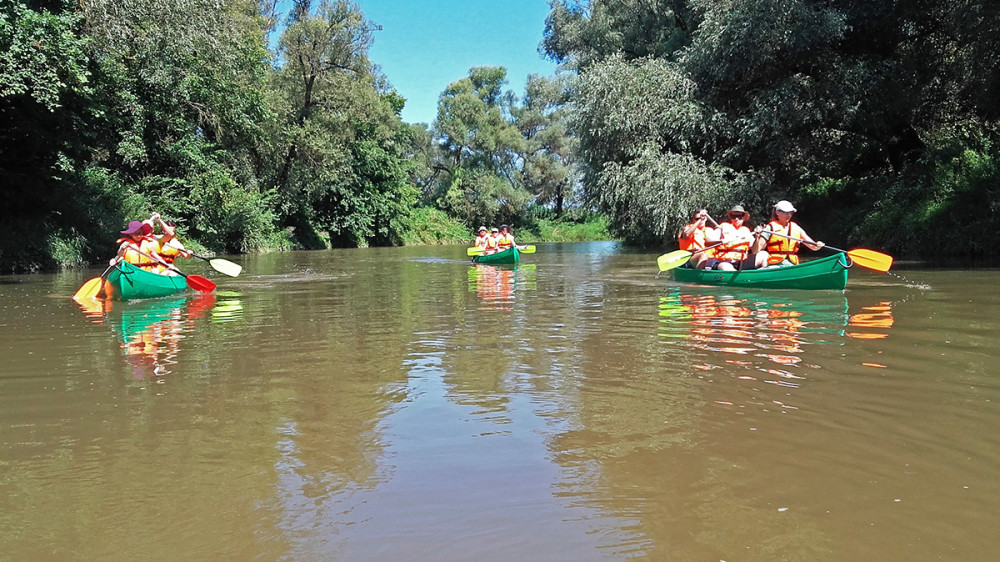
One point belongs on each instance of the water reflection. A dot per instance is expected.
(767, 333)
(495, 284)
(150, 331)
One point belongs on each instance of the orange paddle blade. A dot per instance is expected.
(871, 259)
(90, 289)
(200, 284)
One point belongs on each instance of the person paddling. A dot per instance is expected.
(734, 253)
(781, 250)
(694, 237)
(136, 248)
(505, 240)
(481, 238)
(492, 240)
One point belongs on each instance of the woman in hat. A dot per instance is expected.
(782, 250)
(506, 239)
(137, 248)
(734, 251)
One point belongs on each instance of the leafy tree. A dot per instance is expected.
(339, 138)
(480, 150)
(549, 169)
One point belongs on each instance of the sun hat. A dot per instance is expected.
(133, 227)
(495, 229)
(147, 228)
(738, 210)
(482, 229)
(504, 227)
(784, 207)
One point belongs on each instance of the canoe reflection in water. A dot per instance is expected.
(150, 331)
(495, 284)
(742, 328)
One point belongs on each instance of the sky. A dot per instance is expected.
(424, 45)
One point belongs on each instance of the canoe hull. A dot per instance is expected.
(510, 255)
(128, 282)
(828, 273)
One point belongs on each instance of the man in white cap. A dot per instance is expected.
(480, 242)
(777, 238)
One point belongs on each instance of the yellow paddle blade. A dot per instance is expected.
(90, 289)
(226, 267)
(672, 260)
(871, 259)
(529, 249)
(474, 251)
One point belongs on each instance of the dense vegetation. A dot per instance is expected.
(252, 130)
(262, 130)
(879, 119)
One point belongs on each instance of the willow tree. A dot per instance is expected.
(841, 104)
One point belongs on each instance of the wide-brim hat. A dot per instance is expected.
(784, 207)
(482, 229)
(738, 210)
(147, 228)
(133, 228)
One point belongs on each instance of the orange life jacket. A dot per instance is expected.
(481, 242)
(694, 242)
(505, 241)
(491, 242)
(134, 253)
(735, 250)
(779, 247)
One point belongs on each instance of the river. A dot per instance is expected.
(401, 404)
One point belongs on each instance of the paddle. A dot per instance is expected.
(529, 249)
(678, 258)
(869, 259)
(92, 287)
(225, 267)
(196, 282)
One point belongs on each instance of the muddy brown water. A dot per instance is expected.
(401, 404)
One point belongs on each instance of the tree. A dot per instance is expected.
(549, 169)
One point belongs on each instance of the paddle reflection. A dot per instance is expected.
(495, 285)
(743, 328)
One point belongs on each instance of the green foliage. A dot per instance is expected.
(230, 218)
(427, 225)
(595, 227)
(836, 104)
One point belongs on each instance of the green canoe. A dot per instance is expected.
(825, 273)
(510, 255)
(129, 282)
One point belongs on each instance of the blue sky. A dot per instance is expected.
(425, 45)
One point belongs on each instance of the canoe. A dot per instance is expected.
(825, 273)
(128, 282)
(510, 255)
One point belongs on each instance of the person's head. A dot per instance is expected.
(699, 215)
(504, 228)
(482, 231)
(783, 211)
(134, 230)
(738, 214)
(495, 230)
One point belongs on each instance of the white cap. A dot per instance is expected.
(784, 206)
